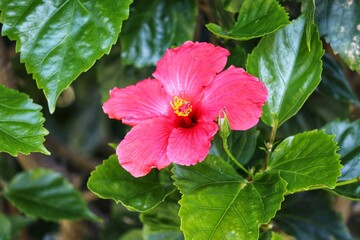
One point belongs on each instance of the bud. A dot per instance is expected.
(224, 125)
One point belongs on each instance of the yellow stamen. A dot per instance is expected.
(181, 107)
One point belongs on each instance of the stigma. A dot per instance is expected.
(181, 107)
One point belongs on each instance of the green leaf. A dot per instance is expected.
(289, 70)
(46, 194)
(305, 160)
(119, 221)
(21, 125)
(276, 236)
(5, 228)
(271, 235)
(334, 82)
(211, 171)
(155, 26)
(133, 234)
(220, 14)
(242, 145)
(136, 194)
(232, 5)
(218, 203)
(310, 216)
(60, 39)
(110, 72)
(316, 112)
(339, 23)
(350, 191)
(18, 223)
(347, 135)
(309, 11)
(162, 223)
(256, 18)
(237, 56)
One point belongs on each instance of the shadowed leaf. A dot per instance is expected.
(21, 124)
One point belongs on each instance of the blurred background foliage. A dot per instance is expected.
(79, 131)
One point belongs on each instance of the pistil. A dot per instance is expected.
(181, 107)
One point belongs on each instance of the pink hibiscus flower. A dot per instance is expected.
(174, 115)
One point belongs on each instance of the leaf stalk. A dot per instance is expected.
(269, 145)
(338, 184)
(347, 182)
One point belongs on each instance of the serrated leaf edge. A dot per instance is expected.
(334, 144)
(43, 132)
(131, 208)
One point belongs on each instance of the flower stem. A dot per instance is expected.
(269, 145)
(226, 148)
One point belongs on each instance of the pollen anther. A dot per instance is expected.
(181, 107)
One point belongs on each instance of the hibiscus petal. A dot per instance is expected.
(187, 146)
(184, 70)
(144, 147)
(133, 104)
(240, 94)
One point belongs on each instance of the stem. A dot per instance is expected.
(269, 145)
(354, 180)
(226, 148)
(338, 184)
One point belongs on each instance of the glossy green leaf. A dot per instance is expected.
(339, 23)
(256, 18)
(305, 160)
(289, 70)
(242, 145)
(137, 194)
(334, 82)
(46, 194)
(155, 26)
(162, 223)
(316, 112)
(310, 216)
(21, 124)
(218, 203)
(5, 227)
(60, 39)
(347, 135)
(309, 12)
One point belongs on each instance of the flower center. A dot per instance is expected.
(181, 107)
